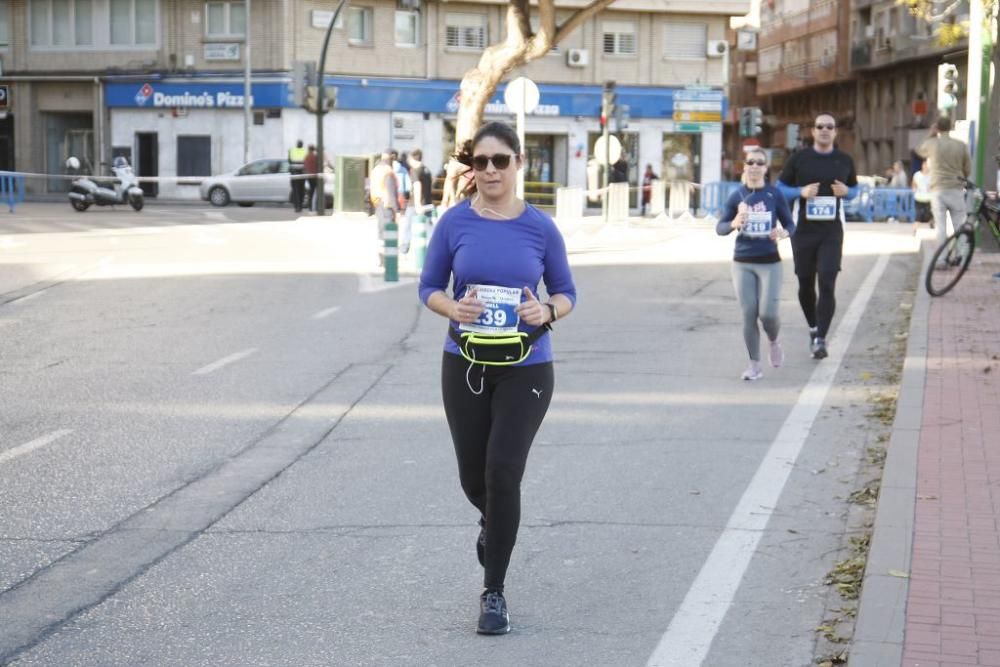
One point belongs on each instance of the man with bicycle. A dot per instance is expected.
(816, 181)
(950, 165)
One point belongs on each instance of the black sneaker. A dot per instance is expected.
(819, 348)
(481, 542)
(493, 616)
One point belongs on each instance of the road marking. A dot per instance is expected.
(325, 313)
(368, 283)
(689, 636)
(33, 445)
(225, 361)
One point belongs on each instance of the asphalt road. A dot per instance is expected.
(222, 442)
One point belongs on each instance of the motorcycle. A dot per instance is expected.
(84, 192)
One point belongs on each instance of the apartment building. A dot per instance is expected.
(161, 81)
(869, 62)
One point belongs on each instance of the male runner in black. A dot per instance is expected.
(816, 181)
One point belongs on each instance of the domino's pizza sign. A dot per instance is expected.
(144, 94)
(4, 98)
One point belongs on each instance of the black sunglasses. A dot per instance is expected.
(826, 127)
(755, 163)
(501, 161)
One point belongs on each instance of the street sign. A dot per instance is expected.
(521, 95)
(4, 97)
(614, 145)
(698, 116)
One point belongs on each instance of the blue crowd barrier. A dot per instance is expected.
(861, 207)
(11, 188)
(714, 196)
(895, 203)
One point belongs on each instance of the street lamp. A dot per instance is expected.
(321, 111)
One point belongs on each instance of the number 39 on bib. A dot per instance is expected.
(499, 314)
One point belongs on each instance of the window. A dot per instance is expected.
(4, 23)
(359, 25)
(194, 156)
(225, 19)
(619, 38)
(407, 28)
(133, 21)
(465, 31)
(685, 41)
(59, 23)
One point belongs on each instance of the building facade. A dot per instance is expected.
(161, 81)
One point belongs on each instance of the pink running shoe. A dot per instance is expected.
(752, 372)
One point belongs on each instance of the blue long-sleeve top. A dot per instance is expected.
(791, 192)
(468, 249)
(755, 249)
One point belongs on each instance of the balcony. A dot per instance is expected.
(861, 55)
(798, 76)
(819, 17)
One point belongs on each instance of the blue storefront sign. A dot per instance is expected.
(428, 96)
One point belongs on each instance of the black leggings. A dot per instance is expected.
(492, 432)
(818, 312)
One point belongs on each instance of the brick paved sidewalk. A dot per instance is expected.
(953, 604)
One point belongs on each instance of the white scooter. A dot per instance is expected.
(84, 192)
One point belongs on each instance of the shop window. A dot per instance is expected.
(359, 26)
(194, 156)
(56, 23)
(407, 28)
(619, 38)
(4, 23)
(225, 19)
(685, 41)
(465, 31)
(132, 22)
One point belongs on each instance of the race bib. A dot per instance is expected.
(499, 314)
(758, 224)
(821, 208)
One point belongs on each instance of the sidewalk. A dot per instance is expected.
(931, 595)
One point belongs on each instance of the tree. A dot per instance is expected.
(950, 33)
(520, 47)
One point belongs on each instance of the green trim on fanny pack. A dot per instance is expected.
(525, 341)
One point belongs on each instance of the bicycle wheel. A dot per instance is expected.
(950, 262)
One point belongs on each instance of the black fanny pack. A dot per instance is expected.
(496, 349)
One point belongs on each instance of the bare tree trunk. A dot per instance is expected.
(521, 47)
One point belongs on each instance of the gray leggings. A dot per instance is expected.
(758, 288)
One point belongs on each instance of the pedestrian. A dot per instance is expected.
(401, 169)
(818, 180)
(422, 183)
(922, 192)
(296, 169)
(619, 171)
(898, 178)
(757, 271)
(493, 248)
(384, 197)
(647, 187)
(950, 166)
(310, 168)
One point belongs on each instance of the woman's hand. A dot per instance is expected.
(741, 217)
(533, 311)
(467, 309)
(778, 233)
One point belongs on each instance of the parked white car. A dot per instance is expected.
(265, 180)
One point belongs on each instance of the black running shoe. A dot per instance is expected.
(819, 348)
(481, 542)
(493, 616)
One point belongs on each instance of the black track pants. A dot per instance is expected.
(492, 433)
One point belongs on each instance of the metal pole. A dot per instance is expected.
(247, 119)
(320, 111)
(520, 134)
(606, 108)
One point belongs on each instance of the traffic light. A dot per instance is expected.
(947, 87)
(744, 120)
(608, 98)
(756, 121)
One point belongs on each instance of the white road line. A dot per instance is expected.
(225, 361)
(325, 313)
(33, 445)
(693, 628)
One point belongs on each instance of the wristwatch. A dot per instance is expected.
(553, 312)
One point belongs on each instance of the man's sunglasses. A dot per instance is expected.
(501, 161)
(755, 163)
(826, 127)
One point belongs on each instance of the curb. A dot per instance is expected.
(881, 624)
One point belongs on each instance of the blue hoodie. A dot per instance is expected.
(756, 249)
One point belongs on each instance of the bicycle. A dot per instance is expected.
(952, 258)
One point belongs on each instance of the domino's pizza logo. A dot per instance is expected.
(144, 94)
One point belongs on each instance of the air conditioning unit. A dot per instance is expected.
(717, 48)
(577, 57)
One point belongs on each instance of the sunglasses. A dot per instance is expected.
(826, 127)
(755, 163)
(501, 161)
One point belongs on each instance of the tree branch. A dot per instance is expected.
(578, 18)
